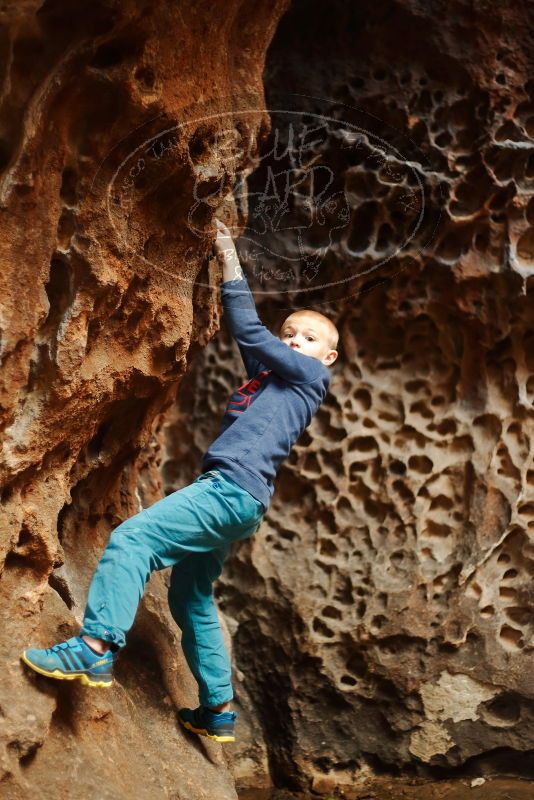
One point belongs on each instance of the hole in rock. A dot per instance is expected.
(506, 593)
(362, 227)
(421, 408)
(331, 612)
(443, 139)
(519, 615)
(415, 386)
(145, 75)
(343, 590)
(356, 664)
(441, 501)
(506, 708)
(333, 460)
(288, 535)
(405, 493)
(24, 537)
(7, 493)
(320, 627)
(311, 463)
(327, 518)
(327, 486)
(446, 427)
(363, 399)
(113, 53)
(344, 506)
(421, 464)
(5, 154)
(364, 444)
(68, 186)
(59, 292)
(378, 622)
(325, 567)
(511, 638)
(327, 548)
(375, 509)
(436, 529)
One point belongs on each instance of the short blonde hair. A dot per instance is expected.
(332, 331)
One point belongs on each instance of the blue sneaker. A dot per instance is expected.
(218, 726)
(72, 660)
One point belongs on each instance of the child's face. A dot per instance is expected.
(309, 336)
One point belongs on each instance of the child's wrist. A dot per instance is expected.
(232, 268)
(237, 276)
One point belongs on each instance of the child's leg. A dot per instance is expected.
(205, 516)
(193, 608)
(119, 580)
(160, 536)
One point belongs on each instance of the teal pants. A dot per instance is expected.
(190, 530)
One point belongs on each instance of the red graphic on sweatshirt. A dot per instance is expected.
(246, 392)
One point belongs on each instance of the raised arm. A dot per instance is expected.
(228, 258)
(226, 253)
(256, 342)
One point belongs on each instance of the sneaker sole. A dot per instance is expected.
(61, 676)
(204, 732)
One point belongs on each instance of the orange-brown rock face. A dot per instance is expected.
(382, 616)
(109, 145)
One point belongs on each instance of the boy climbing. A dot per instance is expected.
(192, 529)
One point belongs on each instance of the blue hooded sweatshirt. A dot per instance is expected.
(267, 413)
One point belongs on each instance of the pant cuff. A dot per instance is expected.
(108, 634)
(215, 699)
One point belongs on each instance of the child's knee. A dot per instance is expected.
(123, 538)
(133, 526)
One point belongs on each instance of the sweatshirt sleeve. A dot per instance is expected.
(256, 342)
(252, 365)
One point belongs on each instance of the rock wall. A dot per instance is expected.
(109, 123)
(382, 616)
